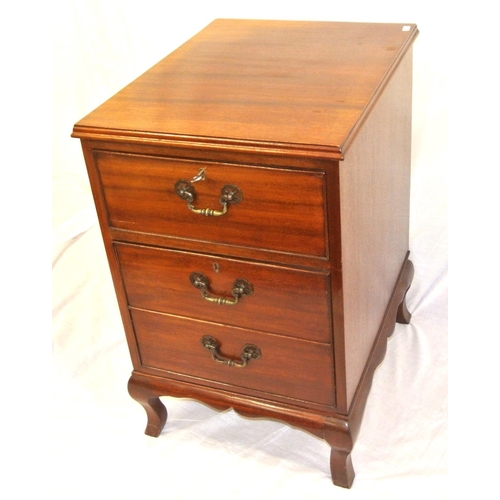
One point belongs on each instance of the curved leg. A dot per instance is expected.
(341, 468)
(403, 315)
(341, 432)
(155, 409)
(338, 435)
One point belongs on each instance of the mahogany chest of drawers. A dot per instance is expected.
(253, 194)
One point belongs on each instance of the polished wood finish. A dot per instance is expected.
(140, 196)
(285, 301)
(371, 183)
(340, 431)
(173, 344)
(235, 81)
(311, 122)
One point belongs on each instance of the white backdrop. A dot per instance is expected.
(100, 450)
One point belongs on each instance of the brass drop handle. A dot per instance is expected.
(241, 287)
(248, 352)
(230, 195)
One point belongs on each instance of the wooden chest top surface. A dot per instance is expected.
(253, 82)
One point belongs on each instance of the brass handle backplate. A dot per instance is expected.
(241, 287)
(248, 352)
(230, 195)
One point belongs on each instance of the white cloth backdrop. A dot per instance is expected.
(99, 447)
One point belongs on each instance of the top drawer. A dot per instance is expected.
(280, 210)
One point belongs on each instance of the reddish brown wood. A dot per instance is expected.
(285, 301)
(338, 435)
(375, 245)
(220, 398)
(233, 84)
(140, 196)
(338, 430)
(171, 344)
(155, 409)
(312, 122)
(379, 347)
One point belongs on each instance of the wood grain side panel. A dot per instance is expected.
(374, 199)
(284, 301)
(288, 367)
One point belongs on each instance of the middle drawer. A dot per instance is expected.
(269, 298)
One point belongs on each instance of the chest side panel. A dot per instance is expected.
(374, 200)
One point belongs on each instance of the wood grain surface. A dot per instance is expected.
(285, 301)
(171, 343)
(289, 204)
(269, 82)
(311, 121)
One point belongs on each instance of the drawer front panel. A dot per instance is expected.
(284, 301)
(287, 367)
(281, 210)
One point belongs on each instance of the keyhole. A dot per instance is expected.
(215, 265)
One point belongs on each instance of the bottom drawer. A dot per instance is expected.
(286, 367)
